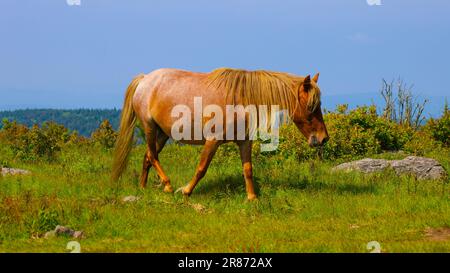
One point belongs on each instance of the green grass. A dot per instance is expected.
(302, 207)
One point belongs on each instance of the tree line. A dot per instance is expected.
(84, 121)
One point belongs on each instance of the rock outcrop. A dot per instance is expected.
(421, 167)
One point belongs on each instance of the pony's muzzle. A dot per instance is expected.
(314, 141)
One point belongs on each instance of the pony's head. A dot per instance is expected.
(308, 115)
(300, 96)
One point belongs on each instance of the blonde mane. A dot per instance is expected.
(262, 87)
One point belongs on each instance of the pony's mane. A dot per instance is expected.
(262, 87)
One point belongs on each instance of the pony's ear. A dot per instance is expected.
(316, 78)
(306, 83)
(307, 80)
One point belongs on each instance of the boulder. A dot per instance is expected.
(420, 167)
(366, 165)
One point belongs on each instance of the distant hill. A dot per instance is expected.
(85, 121)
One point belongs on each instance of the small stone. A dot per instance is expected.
(50, 234)
(78, 234)
(130, 198)
(199, 207)
(62, 230)
(11, 171)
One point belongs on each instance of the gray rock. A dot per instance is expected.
(78, 234)
(366, 165)
(421, 167)
(50, 234)
(62, 230)
(12, 171)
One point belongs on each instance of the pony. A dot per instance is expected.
(150, 98)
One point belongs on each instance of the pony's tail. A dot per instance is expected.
(124, 141)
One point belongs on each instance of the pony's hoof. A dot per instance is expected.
(168, 189)
(252, 197)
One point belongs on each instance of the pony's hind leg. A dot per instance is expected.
(151, 157)
(207, 155)
(160, 142)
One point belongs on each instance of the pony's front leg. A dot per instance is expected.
(207, 155)
(245, 149)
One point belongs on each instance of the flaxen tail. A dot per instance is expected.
(124, 141)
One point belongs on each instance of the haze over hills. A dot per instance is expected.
(14, 102)
(48, 100)
(85, 121)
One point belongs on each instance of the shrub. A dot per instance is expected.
(56, 133)
(34, 143)
(421, 142)
(440, 128)
(105, 135)
(352, 133)
(76, 139)
(11, 131)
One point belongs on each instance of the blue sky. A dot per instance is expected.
(56, 55)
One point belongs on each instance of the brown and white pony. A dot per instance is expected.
(150, 99)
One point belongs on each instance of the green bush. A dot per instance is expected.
(440, 128)
(34, 143)
(353, 133)
(421, 142)
(105, 136)
(357, 132)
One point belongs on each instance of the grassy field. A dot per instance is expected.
(302, 207)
